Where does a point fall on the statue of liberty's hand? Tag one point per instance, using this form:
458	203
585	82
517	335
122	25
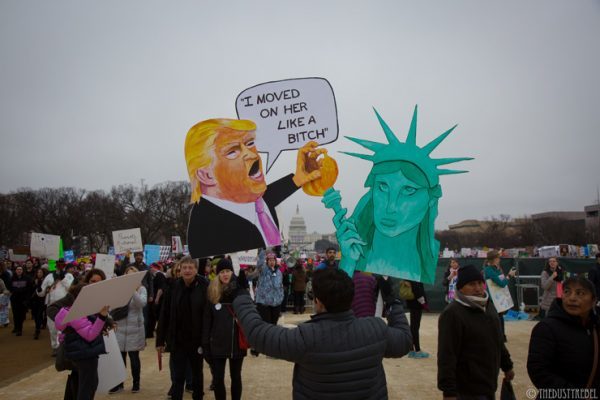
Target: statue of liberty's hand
350	244
349	240
333	199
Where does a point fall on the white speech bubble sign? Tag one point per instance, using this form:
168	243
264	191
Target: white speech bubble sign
289	113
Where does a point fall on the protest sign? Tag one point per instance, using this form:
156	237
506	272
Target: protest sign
549	251
112	292
69	256
45	246
128	240
176	245
500	295
106	263
447	253
377	240
289	113
248	257
111	368
151	253
294	114
18	257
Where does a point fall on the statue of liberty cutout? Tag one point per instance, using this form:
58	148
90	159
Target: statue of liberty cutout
391	231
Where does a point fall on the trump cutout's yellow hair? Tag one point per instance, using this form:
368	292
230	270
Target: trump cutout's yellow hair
199	142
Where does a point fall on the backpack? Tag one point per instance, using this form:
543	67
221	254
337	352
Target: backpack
406	292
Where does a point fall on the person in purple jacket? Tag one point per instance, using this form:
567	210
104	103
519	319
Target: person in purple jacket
83	343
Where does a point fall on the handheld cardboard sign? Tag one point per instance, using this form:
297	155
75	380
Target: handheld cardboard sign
114	292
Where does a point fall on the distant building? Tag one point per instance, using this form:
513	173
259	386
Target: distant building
313	237
471	226
331	237
592	222
562	215
468	226
297	232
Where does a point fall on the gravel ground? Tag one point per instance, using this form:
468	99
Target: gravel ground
263	378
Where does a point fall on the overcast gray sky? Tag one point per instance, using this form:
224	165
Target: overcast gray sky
96	94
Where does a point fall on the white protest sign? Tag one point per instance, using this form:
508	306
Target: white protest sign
243	257
106	263
176	245
114	292
289	113
128	240
45	246
500	296
447	253
111	368
16	257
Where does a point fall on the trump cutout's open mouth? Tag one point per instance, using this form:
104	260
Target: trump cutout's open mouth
255	172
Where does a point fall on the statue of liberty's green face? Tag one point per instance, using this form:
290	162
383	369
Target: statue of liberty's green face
399	204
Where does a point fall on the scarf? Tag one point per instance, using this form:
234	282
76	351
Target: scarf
472	301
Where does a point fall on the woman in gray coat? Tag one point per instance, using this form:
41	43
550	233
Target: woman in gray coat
551	276
131	335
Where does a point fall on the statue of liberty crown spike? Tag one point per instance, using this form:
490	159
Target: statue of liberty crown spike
408	151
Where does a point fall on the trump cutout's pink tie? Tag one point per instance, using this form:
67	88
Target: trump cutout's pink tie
269	229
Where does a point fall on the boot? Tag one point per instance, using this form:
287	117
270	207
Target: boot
37	335
116	389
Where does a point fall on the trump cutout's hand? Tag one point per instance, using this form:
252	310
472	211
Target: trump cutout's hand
307	154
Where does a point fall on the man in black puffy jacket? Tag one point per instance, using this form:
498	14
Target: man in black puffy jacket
471	348
336	355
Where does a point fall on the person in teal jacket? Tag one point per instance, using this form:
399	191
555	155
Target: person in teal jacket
493	271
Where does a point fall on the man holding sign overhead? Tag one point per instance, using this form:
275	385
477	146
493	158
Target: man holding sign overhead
229	188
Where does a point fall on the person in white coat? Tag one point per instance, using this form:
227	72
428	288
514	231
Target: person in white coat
130	333
54	287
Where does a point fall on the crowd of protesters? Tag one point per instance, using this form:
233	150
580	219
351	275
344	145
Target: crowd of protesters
200	312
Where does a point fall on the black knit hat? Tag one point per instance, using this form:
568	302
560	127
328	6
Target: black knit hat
224	263
467	274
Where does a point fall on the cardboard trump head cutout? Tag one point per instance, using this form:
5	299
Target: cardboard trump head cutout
223	162
391	231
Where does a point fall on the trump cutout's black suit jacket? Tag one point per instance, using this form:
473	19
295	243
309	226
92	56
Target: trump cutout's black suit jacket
213	230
